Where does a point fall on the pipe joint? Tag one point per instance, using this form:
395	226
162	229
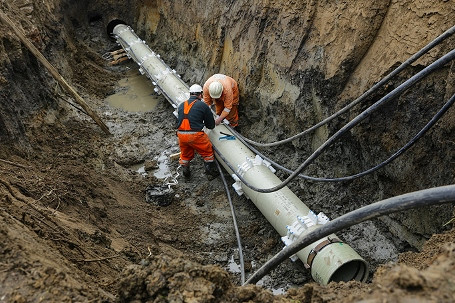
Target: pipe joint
145	58
318	248
244	167
161	75
301	226
157	91
250	163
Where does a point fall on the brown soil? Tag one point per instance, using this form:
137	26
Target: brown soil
75	225
76	228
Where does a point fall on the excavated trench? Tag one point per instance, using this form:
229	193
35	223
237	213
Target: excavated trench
278	100
381	240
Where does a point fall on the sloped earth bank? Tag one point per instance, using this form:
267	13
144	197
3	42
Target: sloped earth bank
75	224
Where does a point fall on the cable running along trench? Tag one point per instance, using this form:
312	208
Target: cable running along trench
419	135
239	242
397	91
405	64
176	91
427	197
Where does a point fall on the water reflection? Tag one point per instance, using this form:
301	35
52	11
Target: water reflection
134	94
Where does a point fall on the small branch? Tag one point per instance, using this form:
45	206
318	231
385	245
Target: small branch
55	210
97	259
45	195
15	164
53	71
450	221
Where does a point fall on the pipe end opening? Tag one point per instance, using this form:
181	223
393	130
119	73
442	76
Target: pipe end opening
112	25
354	270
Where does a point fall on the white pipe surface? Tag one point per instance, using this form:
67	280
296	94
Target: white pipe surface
332	260
166	80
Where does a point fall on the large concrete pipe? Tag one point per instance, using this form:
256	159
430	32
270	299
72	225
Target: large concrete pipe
328	259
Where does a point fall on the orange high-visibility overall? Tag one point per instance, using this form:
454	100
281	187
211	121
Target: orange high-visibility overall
229	99
189	140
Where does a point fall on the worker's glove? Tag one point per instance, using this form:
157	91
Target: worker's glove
224	121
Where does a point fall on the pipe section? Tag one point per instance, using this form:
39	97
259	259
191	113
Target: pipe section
165	80
328	259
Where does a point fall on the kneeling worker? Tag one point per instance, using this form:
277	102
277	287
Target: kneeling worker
224	92
193	115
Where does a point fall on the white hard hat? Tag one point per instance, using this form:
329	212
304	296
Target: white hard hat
215	89
195	88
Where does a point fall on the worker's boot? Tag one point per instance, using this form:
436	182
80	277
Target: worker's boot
211	170
186	171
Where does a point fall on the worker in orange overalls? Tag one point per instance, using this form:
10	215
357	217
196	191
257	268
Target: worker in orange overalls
193	115
224	92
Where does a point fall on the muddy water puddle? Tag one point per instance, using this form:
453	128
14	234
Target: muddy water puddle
161	172
134	93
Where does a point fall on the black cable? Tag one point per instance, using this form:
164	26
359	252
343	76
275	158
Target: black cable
397	91
427	197
416	56
76	107
420	134
239	242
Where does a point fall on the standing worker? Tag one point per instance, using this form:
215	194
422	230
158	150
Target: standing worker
193	115
224	91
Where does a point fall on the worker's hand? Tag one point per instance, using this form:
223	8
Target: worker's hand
218	120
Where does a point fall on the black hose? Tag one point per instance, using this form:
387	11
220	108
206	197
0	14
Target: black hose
427	197
420	134
239	242
397	91
412	59
76	107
